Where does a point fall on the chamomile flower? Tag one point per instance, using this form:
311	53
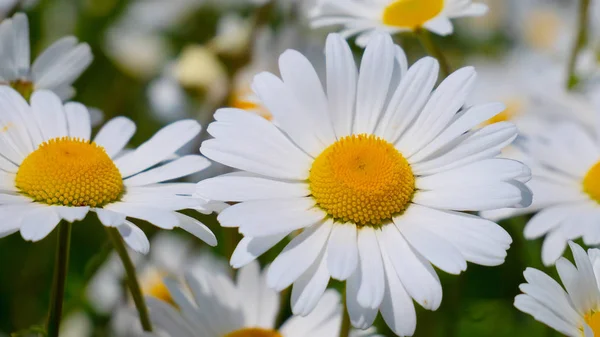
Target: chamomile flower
51	170
219	307
55	69
574	312
565	166
370	175
171	257
364	17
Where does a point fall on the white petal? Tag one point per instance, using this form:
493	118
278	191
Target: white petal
48	111
251	143
196	228
38	223
158	148
397	307
480	241
298	256
302	80
78	121
472	198
66	69
440	25
310	286
433	247
417	275
408	99
115	134
134	237
50	54
544	315
160	218
72	214
372	285
110	218
341	84
177	168
244	188
250	248
288	112
439	111
342	251
360	317
476	145
373	82
269	217
553	247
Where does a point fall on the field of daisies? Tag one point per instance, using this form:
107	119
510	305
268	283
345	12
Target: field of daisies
299	168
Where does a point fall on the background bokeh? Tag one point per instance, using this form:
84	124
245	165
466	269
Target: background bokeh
158	61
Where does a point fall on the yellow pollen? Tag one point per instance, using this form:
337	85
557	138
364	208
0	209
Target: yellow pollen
254	332
362	179
591	183
593	320
411	13
71	172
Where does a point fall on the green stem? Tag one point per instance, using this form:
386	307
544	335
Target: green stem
60	278
578	44
345	326
432	49
132	282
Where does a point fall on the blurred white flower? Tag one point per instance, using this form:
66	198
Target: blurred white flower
364	17
374	173
212	305
573	312
55	69
76	324
564	162
171	256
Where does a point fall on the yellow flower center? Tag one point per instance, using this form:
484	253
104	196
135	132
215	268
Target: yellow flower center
411	13
71	172
593	320
362	179
591	182
253	332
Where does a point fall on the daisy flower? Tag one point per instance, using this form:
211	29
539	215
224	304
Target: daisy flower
364	17
171	256
51	170
219	307
370	175
566	185
574	312
55	69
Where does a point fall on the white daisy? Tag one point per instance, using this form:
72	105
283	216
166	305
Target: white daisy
364	17
51	171
566	184
55	69
574	312
171	256
218	307
372	173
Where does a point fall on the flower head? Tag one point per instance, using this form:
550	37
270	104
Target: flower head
574	312
55	69
368	176
219	307
364	17
52	170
